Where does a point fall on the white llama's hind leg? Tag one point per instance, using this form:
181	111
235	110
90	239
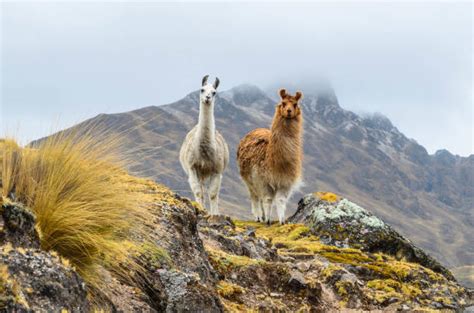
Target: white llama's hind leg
267	201
214	187
281	198
196	187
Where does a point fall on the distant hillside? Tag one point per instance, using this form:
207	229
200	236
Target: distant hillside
426	197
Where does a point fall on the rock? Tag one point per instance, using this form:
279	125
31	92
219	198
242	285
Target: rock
303	266
17	226
185	281
297	280
31	279
182	296
250	232
342	223
436	305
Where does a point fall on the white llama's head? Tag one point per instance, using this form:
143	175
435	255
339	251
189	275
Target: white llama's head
208	91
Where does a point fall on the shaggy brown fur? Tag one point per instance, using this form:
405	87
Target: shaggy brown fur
270	160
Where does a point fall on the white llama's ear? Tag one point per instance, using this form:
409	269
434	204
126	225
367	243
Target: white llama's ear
204	80
216	83
299	95
282	93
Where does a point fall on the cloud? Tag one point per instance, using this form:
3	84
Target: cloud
410	61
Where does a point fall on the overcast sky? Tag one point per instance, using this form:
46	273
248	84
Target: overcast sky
64	62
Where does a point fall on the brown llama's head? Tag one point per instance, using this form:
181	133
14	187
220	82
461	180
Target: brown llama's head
289	105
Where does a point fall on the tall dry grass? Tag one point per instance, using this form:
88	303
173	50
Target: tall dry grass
82	197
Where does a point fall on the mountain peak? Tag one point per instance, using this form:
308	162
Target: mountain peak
378	121
244	94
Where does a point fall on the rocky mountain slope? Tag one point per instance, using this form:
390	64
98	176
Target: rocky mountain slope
215	264
429	198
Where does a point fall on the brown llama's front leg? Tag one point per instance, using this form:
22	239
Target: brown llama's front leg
281	198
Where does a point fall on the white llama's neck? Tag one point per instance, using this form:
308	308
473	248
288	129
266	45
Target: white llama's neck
206	124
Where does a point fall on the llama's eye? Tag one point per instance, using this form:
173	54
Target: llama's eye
283	104
213	93
202	90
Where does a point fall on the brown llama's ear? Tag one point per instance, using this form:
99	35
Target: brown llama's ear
282	93
204	80
299	95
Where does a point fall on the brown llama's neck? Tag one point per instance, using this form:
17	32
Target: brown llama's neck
284	152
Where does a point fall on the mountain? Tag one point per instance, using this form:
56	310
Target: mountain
428	198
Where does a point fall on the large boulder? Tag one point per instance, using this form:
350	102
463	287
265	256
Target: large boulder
342	223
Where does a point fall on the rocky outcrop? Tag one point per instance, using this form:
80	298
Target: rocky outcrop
193	262
179	276
288	268
343	223
32	279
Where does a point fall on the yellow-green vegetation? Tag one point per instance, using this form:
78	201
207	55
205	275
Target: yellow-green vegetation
327	196
396	278
156	256
233	307
85	203
229	290
224	262
330	270
293	239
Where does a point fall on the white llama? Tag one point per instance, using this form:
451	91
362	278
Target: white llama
204	154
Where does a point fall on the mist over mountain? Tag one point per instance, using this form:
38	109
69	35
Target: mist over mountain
364	158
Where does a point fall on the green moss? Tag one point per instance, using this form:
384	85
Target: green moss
343	288
225	262
346	256
329	271
229	290
155	254
387	285
298	233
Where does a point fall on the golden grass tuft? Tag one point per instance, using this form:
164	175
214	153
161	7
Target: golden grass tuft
83	199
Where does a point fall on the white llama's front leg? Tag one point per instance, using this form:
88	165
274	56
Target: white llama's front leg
214	188
196	187
281	198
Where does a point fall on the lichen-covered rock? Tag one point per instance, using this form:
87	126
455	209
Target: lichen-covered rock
17	226
32	279
347	278
178	277
342	223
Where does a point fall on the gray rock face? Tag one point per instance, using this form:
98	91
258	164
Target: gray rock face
31	279
186	283
343	223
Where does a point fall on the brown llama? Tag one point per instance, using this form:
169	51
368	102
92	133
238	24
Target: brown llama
270	160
